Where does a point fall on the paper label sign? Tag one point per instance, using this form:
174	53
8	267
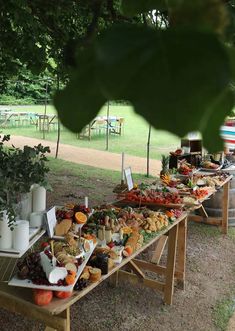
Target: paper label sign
51	221
129	179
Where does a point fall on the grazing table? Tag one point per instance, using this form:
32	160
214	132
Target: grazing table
56	315
219	221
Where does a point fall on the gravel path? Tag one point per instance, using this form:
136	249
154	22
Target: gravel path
91	157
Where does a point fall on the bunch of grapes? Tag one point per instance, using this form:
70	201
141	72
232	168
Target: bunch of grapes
80	284
177	212
82	208
30	268
62	214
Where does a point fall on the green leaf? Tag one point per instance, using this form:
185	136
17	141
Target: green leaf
177	79
174	78
134	7
231	56
81	100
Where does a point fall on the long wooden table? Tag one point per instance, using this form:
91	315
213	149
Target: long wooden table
56	315
219	221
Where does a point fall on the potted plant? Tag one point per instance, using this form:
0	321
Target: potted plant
19	170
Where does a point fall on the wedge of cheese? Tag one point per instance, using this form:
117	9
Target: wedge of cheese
53	273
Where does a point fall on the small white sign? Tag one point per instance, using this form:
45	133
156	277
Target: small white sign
129	179
51	221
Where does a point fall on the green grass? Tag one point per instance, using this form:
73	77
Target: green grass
222	312
62	167
133	141
206	231
231	233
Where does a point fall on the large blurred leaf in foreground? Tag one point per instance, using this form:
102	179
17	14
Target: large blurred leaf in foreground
178	79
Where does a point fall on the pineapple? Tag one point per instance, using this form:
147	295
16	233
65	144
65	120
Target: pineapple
165	164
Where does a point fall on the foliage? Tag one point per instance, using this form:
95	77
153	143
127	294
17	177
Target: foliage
26	88
172	61
19	169
199	98
178	76
44	36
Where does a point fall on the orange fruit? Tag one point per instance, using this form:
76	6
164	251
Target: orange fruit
80	217
70	279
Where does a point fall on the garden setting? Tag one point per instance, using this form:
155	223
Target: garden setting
132	141
117	165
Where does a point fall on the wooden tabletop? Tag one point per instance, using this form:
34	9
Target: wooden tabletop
23	296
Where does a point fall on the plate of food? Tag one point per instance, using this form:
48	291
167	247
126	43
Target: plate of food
56	267
209	166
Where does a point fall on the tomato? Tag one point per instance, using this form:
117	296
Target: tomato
42	297
62	294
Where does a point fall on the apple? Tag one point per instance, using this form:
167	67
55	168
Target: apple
62	294
42	297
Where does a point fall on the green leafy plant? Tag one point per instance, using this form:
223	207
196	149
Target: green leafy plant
19	169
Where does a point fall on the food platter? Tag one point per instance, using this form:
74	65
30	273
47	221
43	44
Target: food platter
16	281
151	205
210	170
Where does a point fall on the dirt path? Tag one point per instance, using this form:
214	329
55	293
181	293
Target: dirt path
91	157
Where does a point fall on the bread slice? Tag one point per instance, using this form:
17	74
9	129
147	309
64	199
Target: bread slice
63	227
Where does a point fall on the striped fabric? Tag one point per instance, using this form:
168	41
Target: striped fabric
227	132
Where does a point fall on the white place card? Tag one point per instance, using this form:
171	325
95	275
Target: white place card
129	179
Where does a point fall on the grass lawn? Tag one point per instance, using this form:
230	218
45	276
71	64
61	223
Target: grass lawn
132	142
59	166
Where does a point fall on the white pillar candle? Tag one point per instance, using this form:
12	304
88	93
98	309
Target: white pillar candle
21	235
39	198
6	236
26	206
122	170
36	219
86	202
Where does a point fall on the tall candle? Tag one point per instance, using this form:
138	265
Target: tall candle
39	198
123	157
21	235
6	236
86	202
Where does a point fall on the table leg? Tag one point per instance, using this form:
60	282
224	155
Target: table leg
159	248
225	202
113	279
170	269
65	315
181	253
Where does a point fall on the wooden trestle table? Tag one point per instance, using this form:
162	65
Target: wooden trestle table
219	221
56	315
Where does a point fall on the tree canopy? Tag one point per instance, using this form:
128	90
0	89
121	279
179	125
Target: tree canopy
172	59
